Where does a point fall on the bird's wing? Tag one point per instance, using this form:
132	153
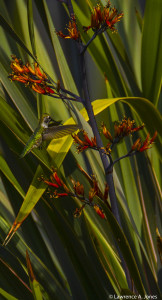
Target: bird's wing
56	132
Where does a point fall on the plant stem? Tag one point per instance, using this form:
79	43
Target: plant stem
89	42
109	175
129	154
104	159
106	164
97	32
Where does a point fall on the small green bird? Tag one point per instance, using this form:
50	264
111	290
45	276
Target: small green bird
47	129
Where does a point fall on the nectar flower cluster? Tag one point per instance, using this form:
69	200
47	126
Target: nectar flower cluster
83	141
32	77
104	18
140	146
74	34
125	127
121	130
57	188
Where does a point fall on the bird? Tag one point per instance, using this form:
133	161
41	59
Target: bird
47	129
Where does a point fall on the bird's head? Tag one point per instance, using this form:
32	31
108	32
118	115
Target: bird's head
47	121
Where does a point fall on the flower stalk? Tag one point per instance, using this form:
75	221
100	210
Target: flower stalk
57	189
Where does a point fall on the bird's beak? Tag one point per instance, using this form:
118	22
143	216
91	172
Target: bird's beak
52	122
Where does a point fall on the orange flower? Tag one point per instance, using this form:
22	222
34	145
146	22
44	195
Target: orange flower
147	143
139	147
104	18
33	78
99	211
85	142
92	193
38	72
57	178
51	183
78	211
125	127
37	88
106	132
79	188
61	190
74	34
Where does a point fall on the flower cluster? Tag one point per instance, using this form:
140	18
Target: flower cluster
124	128
140	146
73	32
83	141
32	77
104	18
57	188
121	129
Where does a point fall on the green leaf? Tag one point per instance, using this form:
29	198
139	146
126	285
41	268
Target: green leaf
125	248
111	263
7	27
87	273
7	172
33	282
151	60
7	295
36	290
31	25
13	275
63	65
139	20
34	193
43	273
